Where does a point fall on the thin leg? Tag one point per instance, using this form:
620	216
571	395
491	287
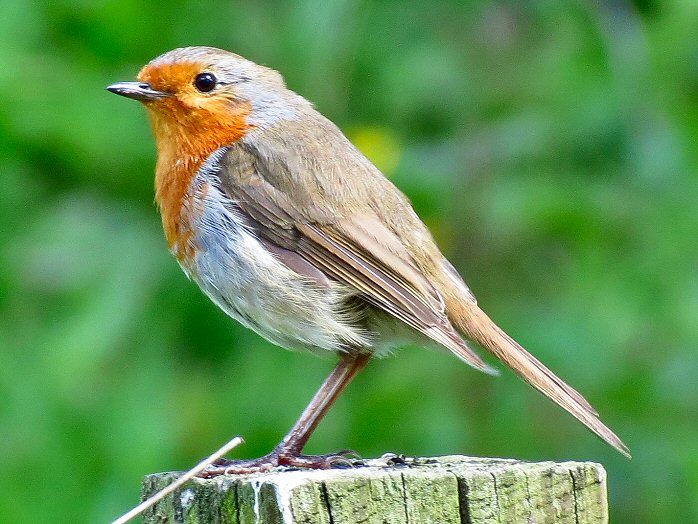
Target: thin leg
288	451
329	392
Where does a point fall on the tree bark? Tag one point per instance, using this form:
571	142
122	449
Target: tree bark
452	489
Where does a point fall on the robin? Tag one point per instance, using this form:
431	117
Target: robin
293	232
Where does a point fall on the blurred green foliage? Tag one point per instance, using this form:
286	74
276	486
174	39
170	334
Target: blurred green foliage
551	146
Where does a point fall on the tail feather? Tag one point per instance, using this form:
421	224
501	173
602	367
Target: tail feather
475	324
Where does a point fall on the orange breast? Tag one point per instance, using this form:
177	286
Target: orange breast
185	138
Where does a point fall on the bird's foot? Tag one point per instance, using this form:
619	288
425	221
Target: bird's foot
279	457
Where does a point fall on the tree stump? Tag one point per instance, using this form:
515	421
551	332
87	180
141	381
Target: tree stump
393	489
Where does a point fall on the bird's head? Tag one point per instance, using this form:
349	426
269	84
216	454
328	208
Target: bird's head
204	93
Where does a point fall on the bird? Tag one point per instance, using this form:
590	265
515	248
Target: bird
289	229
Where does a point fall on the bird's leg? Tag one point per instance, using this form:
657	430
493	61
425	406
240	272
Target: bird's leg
288	451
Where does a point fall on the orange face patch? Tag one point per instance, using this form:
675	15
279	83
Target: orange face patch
188	127
170	78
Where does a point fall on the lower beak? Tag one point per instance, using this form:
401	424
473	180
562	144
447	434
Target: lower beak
137	90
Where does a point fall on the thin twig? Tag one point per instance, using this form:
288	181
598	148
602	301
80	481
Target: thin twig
179	482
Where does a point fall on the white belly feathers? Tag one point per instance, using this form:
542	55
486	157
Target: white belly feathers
250	284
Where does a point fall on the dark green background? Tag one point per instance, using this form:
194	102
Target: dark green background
550	145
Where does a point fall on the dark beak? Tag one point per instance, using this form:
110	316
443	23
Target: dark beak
137	90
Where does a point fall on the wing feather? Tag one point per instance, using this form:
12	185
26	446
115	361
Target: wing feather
354	249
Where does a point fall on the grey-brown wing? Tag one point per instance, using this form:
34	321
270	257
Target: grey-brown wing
357	250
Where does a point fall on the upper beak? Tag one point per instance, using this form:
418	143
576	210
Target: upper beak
137	90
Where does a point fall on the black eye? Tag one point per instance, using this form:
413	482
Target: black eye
205	82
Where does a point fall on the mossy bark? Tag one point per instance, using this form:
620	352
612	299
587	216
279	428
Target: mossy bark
453	489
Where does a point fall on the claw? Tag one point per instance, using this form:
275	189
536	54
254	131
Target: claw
277	458
339	461
394	458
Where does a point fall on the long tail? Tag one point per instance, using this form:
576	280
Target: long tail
476	325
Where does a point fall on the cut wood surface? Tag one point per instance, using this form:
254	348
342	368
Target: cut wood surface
393	489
